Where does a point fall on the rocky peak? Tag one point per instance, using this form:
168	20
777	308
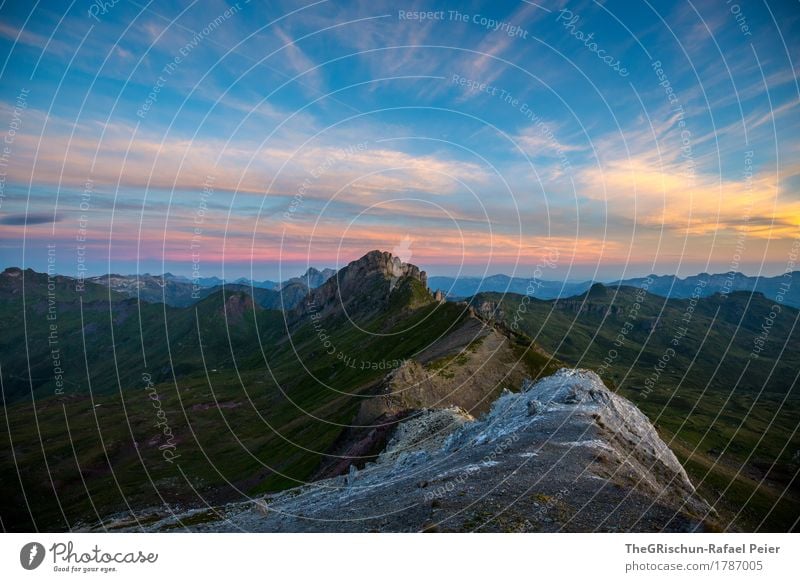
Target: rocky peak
365	284
312	278
12	272
385	264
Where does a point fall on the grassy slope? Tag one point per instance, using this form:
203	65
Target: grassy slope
727	417
249	420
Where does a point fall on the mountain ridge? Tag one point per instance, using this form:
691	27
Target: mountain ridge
563	454
312	393
227	374
181	291
787	286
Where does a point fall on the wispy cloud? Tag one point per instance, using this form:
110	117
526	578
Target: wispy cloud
298	61
22	36
29	219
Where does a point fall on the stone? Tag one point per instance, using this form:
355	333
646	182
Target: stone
600	464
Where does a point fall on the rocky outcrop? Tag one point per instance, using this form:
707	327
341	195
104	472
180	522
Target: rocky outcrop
426	432
490	310
379	263
312	278
236	306
366	285
566	454
469	374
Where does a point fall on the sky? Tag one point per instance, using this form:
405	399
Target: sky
210	138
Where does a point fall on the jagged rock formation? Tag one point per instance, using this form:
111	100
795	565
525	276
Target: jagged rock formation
566	454
365	286
426	432
489	310
312	278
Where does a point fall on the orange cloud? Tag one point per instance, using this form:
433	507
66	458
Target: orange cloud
677	199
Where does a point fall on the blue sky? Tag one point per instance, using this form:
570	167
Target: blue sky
255	139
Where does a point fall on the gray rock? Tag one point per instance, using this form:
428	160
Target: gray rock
534	407
587	460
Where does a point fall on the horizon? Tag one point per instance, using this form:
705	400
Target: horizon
297	273
240	141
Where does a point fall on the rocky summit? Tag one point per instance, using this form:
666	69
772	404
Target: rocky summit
365	286
563	454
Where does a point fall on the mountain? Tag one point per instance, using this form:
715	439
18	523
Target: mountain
266	284
785	288
222	398
313	278
149	412
368	287
179	291
201	281
153	288
62	340
286	298
564	454
211	281
721	389
468	286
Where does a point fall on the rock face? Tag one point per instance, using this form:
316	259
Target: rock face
380	263
236	306
490	310
566	454
312	278
366	285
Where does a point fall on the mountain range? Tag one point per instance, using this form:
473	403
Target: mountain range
181	291
369	391
786	286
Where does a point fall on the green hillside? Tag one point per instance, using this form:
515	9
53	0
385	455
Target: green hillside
216	400
722	394
163	406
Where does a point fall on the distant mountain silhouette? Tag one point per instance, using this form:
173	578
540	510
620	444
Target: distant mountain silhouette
787	287
180	291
